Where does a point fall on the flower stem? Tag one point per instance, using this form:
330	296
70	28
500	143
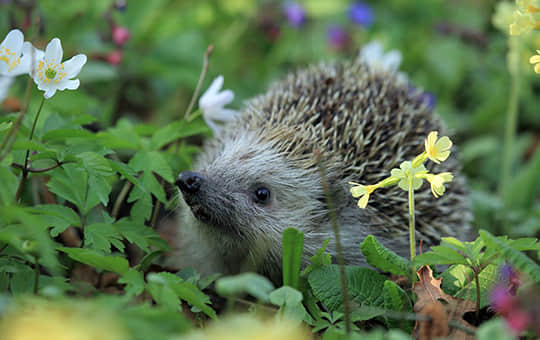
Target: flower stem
339	249
511	117
477	280
199	83
412	241
25	169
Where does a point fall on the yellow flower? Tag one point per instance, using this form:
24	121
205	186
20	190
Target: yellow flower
437	182
407	170
523	21
362	191
437	150
41	320
530	6
248	327
535	59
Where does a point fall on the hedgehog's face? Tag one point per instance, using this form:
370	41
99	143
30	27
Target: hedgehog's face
244	190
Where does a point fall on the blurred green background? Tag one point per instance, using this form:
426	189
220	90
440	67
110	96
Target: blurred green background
451	49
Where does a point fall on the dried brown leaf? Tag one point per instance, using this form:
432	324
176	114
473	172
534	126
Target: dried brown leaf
429	293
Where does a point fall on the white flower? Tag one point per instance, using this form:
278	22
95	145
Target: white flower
373	54
50	74
5	84
212	104
11	62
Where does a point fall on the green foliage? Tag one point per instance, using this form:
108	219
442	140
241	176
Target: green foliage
255	285
108	154
383	258
509	250
293	244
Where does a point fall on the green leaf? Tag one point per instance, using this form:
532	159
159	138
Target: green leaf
293	244
98	260
148	161
63	134
22	281
458	280
184	290
57	216
70	182
396	299
320	259
9	185
101	236
250	283
494	329
440	255
98	170
176	130
141	235
519	260
365	286
134	281
383	258
290	302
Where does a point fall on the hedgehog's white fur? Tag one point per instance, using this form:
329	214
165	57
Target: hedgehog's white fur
362	122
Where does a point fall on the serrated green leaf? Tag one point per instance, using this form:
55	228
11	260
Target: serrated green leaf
519	260
250	283
321	258
134	281
293	245
458	280
140	235
383	258
440	255
98	260
396	299
176	130
101	236
57	216
152	161
183	290
365	286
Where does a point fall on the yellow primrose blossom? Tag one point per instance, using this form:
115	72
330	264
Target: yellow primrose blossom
437	150
407	170
535	59
530	6
523	22
248	327
362	191
43	320
437	182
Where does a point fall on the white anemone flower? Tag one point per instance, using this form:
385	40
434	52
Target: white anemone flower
373	54
212	104
51	74
11	62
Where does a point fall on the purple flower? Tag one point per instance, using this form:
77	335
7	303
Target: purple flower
361	14
337	37
429	98
295	14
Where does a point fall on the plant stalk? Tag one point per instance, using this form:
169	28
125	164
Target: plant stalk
412	241
25	169
339	249
511	118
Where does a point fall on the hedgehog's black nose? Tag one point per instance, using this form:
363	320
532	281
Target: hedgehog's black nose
189	181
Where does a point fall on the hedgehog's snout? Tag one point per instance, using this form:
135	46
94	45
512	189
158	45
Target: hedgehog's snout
189	182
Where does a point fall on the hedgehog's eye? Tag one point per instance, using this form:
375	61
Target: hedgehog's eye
261	195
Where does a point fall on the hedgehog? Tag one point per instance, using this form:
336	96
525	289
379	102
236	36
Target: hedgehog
261	173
